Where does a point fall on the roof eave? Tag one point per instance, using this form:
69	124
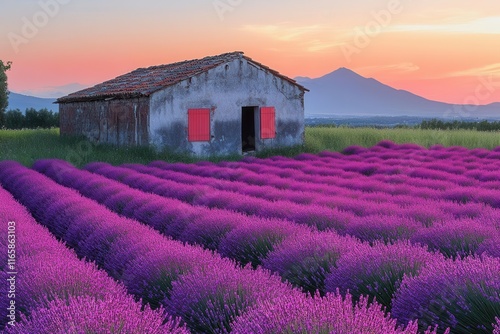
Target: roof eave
121	96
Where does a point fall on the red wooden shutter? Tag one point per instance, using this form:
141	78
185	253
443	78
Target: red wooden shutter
267	123
199	124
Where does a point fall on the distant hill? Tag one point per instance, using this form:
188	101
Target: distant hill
22	102
346	93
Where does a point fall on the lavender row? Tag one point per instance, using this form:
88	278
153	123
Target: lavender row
451	236
317	283
331	314
468	159
466	162
418	174
205	195
346	176
383	273
417	181
159	270
376	203
208	292
51	283
337	191
463	295
396	164
378	270
234	235
404	155
333	199
251	241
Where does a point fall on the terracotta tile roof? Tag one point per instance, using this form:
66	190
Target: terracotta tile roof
145	81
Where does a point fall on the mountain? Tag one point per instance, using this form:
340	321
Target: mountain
346	93
22	102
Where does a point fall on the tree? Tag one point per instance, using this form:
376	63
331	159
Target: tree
14	119
4	92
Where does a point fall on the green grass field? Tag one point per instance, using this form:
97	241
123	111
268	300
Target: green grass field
27	146
336	139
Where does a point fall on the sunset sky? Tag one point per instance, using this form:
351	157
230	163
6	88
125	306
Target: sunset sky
446	50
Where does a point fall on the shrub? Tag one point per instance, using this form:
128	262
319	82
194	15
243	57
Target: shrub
351	150
455	238
123	253
382	228
151	276
50	276
251	242
212	228
491	246
210	298
322	218
469	210
463	295
332	314
378	271
89	315
426	214
306	259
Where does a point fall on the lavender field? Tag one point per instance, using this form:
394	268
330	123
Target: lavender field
387	239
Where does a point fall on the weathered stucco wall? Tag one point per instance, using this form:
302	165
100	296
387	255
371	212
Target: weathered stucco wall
117	122
225	90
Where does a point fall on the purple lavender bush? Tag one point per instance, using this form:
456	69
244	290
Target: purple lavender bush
86	314
151	275
209	299
251	242
212	228
490	247
455	238
50	276
320	217
387	229
351	150
426	214
378	270
463	295
496	326
308	258
41	259
299	314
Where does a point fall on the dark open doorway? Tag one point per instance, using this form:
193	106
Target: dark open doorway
248	129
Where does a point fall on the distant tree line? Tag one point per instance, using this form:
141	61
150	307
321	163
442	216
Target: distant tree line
436	124
406	123
31	119
15	119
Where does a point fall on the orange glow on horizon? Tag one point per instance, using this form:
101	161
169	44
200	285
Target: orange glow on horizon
442	53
